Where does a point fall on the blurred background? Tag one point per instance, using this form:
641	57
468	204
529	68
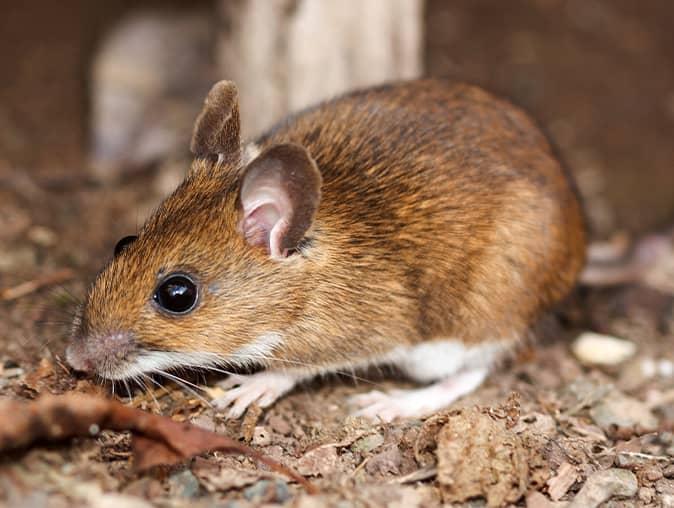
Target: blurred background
118	82
98	99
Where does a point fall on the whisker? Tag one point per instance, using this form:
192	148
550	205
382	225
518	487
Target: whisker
128	390
349	374
186	385
141	376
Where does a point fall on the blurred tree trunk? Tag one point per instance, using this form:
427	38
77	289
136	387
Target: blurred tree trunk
287	54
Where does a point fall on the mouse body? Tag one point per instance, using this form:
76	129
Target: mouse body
424	224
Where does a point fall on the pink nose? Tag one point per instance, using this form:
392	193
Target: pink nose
78	360
103	354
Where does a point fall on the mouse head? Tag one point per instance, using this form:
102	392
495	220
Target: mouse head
217	272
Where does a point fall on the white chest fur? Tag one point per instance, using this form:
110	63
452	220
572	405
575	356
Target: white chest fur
438	359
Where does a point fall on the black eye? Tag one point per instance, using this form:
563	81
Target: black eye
176	294
119	247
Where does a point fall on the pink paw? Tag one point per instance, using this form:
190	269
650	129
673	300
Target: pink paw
418	403
263	388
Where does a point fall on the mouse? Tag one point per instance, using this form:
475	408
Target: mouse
423	224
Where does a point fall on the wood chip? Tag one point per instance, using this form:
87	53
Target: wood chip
561	483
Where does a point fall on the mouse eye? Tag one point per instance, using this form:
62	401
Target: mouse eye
127	240
176	294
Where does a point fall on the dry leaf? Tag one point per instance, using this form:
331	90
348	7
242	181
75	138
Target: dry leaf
157	439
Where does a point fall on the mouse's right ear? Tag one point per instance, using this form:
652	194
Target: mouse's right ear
216	131
280	193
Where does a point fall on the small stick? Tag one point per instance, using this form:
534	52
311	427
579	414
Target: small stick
28	287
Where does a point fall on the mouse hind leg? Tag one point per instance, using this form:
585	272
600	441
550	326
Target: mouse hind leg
453	369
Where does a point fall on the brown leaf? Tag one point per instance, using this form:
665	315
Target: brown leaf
157	439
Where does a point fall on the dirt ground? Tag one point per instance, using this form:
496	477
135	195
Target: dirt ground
545	430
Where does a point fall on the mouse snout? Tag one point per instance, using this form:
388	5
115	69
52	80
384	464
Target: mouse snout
104	355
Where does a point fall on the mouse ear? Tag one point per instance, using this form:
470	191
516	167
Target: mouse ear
279	197
216	131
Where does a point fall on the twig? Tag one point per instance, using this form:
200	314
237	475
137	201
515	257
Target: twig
425	473
28	287
646	456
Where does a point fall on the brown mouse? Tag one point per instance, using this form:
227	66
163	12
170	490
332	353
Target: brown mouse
424	224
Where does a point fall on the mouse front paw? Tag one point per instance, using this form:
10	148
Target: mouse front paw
263	388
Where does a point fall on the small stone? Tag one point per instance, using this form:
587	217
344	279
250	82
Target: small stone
603	485
261	436
184	485
320	461
665	368
270	491
538	500
652	473
368	443
144	487
280	425
665	486
42	236
646	494
385	462
537	423
619	410
19	257
204	422
596	349
114	500
667	501
668	472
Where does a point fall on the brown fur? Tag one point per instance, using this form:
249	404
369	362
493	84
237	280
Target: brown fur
443	215
216	130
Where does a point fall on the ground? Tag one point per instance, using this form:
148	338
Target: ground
553	428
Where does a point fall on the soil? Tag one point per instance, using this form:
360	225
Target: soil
599	77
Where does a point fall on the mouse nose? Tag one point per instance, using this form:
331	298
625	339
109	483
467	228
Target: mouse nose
102	354
78	360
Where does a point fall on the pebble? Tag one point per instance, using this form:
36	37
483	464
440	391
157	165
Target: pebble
280	425
368	443
667	501
603	485
385	462
184	485
596	349
665	486
261	436
204	422
618	409
18	258
652	473
42	236
538	500
268	490
646	494
321	461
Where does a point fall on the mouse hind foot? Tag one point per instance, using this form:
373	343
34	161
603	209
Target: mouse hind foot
419	402
453	369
